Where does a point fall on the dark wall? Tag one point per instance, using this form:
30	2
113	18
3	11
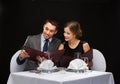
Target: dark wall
99	19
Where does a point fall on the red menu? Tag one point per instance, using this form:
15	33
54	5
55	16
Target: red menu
34	53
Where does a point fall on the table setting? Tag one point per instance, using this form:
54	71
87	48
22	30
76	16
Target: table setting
48	66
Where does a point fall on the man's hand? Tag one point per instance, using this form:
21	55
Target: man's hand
39	58
24	54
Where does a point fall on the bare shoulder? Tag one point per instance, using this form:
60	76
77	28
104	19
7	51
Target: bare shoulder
86	46
61	47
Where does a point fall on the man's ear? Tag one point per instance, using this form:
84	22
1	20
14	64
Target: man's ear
43	27
56	32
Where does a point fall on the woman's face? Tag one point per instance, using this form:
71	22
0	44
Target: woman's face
68	35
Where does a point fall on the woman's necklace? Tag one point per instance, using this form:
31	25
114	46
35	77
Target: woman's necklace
73	44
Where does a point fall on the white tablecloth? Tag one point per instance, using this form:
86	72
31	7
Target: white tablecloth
93	77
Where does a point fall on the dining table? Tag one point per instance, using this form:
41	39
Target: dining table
61	77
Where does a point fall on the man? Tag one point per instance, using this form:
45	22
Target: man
50	28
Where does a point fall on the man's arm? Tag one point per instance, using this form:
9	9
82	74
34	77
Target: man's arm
22	57
20	60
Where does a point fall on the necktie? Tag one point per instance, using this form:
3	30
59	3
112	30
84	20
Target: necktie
45	47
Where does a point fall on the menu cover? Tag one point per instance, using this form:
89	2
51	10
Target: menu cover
65	60
34	53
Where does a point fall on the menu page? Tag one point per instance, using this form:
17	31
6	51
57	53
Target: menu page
34	53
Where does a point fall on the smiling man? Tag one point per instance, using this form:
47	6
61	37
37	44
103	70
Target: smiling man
50	28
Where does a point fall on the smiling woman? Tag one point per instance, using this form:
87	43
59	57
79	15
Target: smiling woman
20	18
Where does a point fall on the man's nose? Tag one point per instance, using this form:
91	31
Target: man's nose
48	32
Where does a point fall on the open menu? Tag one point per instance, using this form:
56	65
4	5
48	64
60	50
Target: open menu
34	53
88	54
65	60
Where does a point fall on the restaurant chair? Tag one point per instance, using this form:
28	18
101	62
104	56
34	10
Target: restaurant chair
99	62
14	67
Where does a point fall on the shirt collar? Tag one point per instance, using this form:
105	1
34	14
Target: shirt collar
43	39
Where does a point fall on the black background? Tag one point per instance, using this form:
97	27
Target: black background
100	20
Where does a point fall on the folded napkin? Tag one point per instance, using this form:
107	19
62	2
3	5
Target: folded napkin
46	65
77	64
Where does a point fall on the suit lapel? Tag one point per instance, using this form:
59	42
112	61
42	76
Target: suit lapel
38	42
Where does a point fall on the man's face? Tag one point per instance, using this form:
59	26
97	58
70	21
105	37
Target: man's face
49	30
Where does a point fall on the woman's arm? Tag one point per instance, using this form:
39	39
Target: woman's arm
86	48
61	47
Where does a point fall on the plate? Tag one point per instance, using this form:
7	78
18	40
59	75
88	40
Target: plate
48	70
35	71
76	70
62	68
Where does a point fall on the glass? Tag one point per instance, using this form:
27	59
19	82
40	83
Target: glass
49	68
77	55
42	60
85	59
48	55
62	70
39	60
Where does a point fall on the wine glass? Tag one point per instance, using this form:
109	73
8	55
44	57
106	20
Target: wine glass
77	55
85	59
48	54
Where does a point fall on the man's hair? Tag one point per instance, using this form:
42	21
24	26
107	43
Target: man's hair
53	22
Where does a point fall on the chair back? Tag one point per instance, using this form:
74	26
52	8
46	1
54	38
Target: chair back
99	62
14	67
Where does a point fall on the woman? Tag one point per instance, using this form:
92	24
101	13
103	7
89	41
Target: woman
72	44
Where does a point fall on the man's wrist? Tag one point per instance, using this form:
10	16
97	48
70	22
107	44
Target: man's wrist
21	58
